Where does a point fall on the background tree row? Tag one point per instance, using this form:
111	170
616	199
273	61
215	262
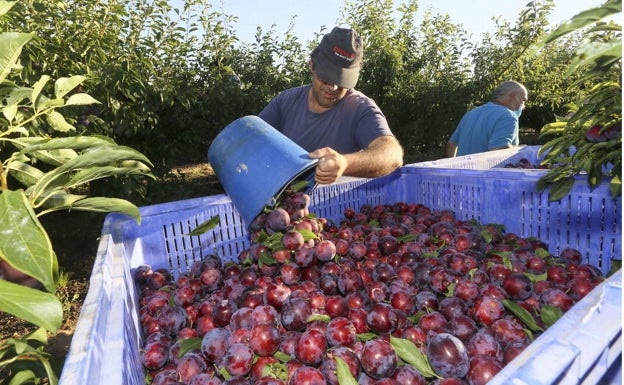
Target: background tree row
170	79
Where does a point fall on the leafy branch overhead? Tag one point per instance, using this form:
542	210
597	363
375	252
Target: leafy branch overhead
588	141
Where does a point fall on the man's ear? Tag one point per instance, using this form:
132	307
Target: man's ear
311	65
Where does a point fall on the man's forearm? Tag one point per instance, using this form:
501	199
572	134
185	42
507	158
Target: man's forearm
382	157
451	150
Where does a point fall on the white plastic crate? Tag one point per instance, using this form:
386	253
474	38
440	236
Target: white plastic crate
105	347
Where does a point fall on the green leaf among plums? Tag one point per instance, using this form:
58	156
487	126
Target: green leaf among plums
550	314
522	314
189	344
206	226
299	185
307	234
409	352
344	373
274	242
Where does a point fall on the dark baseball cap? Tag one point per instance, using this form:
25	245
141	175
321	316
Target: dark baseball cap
338	57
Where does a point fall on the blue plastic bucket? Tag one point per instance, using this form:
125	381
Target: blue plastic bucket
255	163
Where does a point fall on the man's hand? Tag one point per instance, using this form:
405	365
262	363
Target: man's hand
330	167
382	156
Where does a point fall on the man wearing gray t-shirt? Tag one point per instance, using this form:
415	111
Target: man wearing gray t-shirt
337	124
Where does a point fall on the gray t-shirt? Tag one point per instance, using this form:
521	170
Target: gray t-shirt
348	127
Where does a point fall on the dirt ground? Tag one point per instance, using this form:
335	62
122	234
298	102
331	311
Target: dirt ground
75	236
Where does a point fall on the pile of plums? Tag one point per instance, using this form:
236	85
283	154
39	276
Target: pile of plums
392	294
525	164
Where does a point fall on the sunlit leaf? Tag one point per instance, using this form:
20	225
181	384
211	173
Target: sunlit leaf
24	243
409	352
35	306
615	186
584	19
63	86
58	122
25	376
54	157
11	44
94	173
344	373
10	111
16	94
108	205
40	335
91	158
604	54
24	173
74	142
81	99
61	200
37	88
205	226
44	103
5	6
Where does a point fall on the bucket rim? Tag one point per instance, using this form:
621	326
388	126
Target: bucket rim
281	190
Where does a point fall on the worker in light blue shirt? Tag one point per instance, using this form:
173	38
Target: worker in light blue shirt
492	126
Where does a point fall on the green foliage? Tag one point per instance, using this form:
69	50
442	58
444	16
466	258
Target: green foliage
426	76
28	349
168	79
409	352
178	76
416	74
589	140
45	166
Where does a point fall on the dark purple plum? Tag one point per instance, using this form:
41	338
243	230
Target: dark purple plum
215	344
378	358
482	369
518	286
448	355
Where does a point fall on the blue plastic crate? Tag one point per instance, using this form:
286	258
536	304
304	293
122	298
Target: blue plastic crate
583	347
497	159
487	160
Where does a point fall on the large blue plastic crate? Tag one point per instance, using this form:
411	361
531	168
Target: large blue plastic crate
105	347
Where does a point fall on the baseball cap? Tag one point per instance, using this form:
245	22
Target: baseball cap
338	57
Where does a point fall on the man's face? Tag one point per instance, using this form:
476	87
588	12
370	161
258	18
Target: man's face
325	94
521	99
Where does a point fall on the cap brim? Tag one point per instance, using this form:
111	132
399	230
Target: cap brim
343	77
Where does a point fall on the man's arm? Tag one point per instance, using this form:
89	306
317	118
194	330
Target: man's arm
451	149
381	157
